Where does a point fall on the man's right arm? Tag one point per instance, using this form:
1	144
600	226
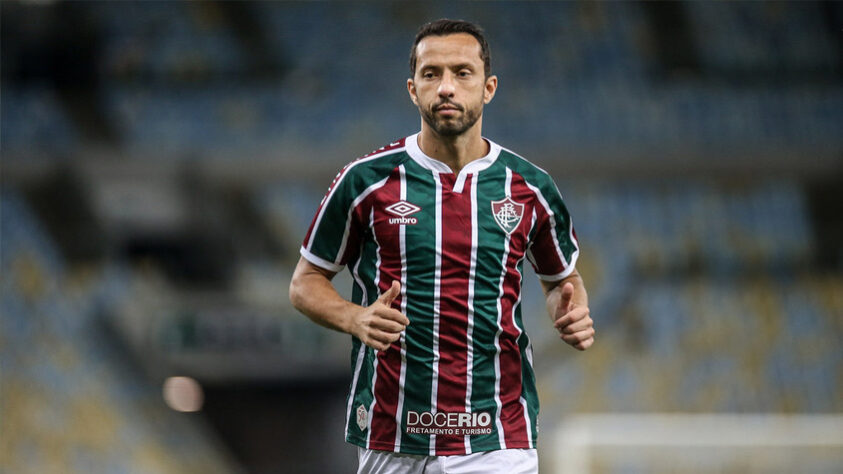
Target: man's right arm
377	325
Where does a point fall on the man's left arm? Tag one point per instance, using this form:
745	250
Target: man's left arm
567	305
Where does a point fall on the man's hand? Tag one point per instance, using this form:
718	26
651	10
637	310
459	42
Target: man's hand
378	326
573	322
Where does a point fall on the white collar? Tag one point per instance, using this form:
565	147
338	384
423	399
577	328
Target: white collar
412	146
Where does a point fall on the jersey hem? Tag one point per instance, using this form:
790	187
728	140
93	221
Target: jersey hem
458	450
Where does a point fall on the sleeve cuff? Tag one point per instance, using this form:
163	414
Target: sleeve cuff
320	262
564	274
558	276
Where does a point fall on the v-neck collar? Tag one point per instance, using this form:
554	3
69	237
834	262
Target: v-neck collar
473	167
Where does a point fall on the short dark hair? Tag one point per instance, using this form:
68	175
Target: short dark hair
444	27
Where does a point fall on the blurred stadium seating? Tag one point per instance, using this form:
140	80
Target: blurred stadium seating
71	401
176	79
708	288
713	267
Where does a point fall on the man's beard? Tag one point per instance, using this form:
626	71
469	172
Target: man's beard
450	127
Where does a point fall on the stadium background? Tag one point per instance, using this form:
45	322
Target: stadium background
161	161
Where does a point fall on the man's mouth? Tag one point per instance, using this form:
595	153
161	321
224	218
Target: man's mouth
448	106
447	109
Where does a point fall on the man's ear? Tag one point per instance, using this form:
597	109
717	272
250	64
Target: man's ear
490	88
411	89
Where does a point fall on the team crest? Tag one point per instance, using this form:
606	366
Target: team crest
507	214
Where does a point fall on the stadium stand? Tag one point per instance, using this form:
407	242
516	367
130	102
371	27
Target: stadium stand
71	402
710	291
700	263
176	79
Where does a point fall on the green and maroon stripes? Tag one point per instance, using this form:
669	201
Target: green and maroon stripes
491	241
512	412
402	243
328	237
554	248
364	272
496	380
420	240
472	276
336	237
382	429
465	350
453	301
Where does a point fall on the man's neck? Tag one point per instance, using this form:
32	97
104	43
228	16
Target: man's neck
454	151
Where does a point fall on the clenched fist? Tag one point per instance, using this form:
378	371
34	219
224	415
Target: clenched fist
379	325
573	321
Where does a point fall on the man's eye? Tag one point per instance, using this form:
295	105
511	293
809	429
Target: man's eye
464	73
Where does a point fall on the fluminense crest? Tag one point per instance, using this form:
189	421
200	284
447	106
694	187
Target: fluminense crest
507	214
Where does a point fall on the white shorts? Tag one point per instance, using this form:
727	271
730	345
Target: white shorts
504	461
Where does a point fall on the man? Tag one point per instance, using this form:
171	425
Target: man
435	228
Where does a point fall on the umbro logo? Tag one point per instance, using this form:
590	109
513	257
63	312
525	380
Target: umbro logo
403	210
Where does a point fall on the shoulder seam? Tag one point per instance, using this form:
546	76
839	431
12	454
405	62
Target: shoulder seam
373	156
344	172
525	160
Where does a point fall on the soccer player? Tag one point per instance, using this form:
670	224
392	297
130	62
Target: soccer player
435	228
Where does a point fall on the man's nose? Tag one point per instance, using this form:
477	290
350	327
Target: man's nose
446	86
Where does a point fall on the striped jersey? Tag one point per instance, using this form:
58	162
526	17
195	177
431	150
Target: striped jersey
460	378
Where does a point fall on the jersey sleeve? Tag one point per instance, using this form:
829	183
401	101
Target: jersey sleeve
334	234
553	248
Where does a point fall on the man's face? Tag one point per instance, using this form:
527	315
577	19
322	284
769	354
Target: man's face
449	86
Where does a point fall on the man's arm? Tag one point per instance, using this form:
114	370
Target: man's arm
377	326
567	305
